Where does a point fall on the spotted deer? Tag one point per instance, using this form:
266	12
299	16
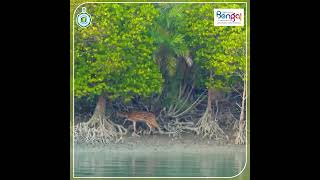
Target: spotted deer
147	117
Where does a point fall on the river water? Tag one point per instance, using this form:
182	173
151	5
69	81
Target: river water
213	163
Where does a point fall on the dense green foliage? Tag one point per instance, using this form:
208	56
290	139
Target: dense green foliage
172	51
220	51
114	54
143	49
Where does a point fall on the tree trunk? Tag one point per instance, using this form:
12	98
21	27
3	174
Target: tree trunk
210	108
99	129
241	136
207	125
99	112
241	120
100	109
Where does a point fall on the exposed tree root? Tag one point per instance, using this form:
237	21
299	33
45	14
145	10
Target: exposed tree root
179	109
179	117
210	128
177	128
241	133
98	130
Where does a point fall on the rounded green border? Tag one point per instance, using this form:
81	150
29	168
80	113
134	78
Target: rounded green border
245	173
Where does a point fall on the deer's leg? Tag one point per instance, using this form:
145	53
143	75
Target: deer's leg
160	131
149	128
134	129
134	126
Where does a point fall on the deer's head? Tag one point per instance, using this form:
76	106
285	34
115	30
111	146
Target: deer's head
122	114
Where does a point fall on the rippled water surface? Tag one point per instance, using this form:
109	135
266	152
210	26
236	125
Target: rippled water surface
101	163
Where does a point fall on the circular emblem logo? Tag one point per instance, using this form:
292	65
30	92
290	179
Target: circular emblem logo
83	19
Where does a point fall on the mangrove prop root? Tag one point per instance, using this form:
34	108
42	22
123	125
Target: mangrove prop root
241	134
98	130
179	118
176	128
207	127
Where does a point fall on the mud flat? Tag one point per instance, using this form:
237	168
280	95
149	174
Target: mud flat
163	143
